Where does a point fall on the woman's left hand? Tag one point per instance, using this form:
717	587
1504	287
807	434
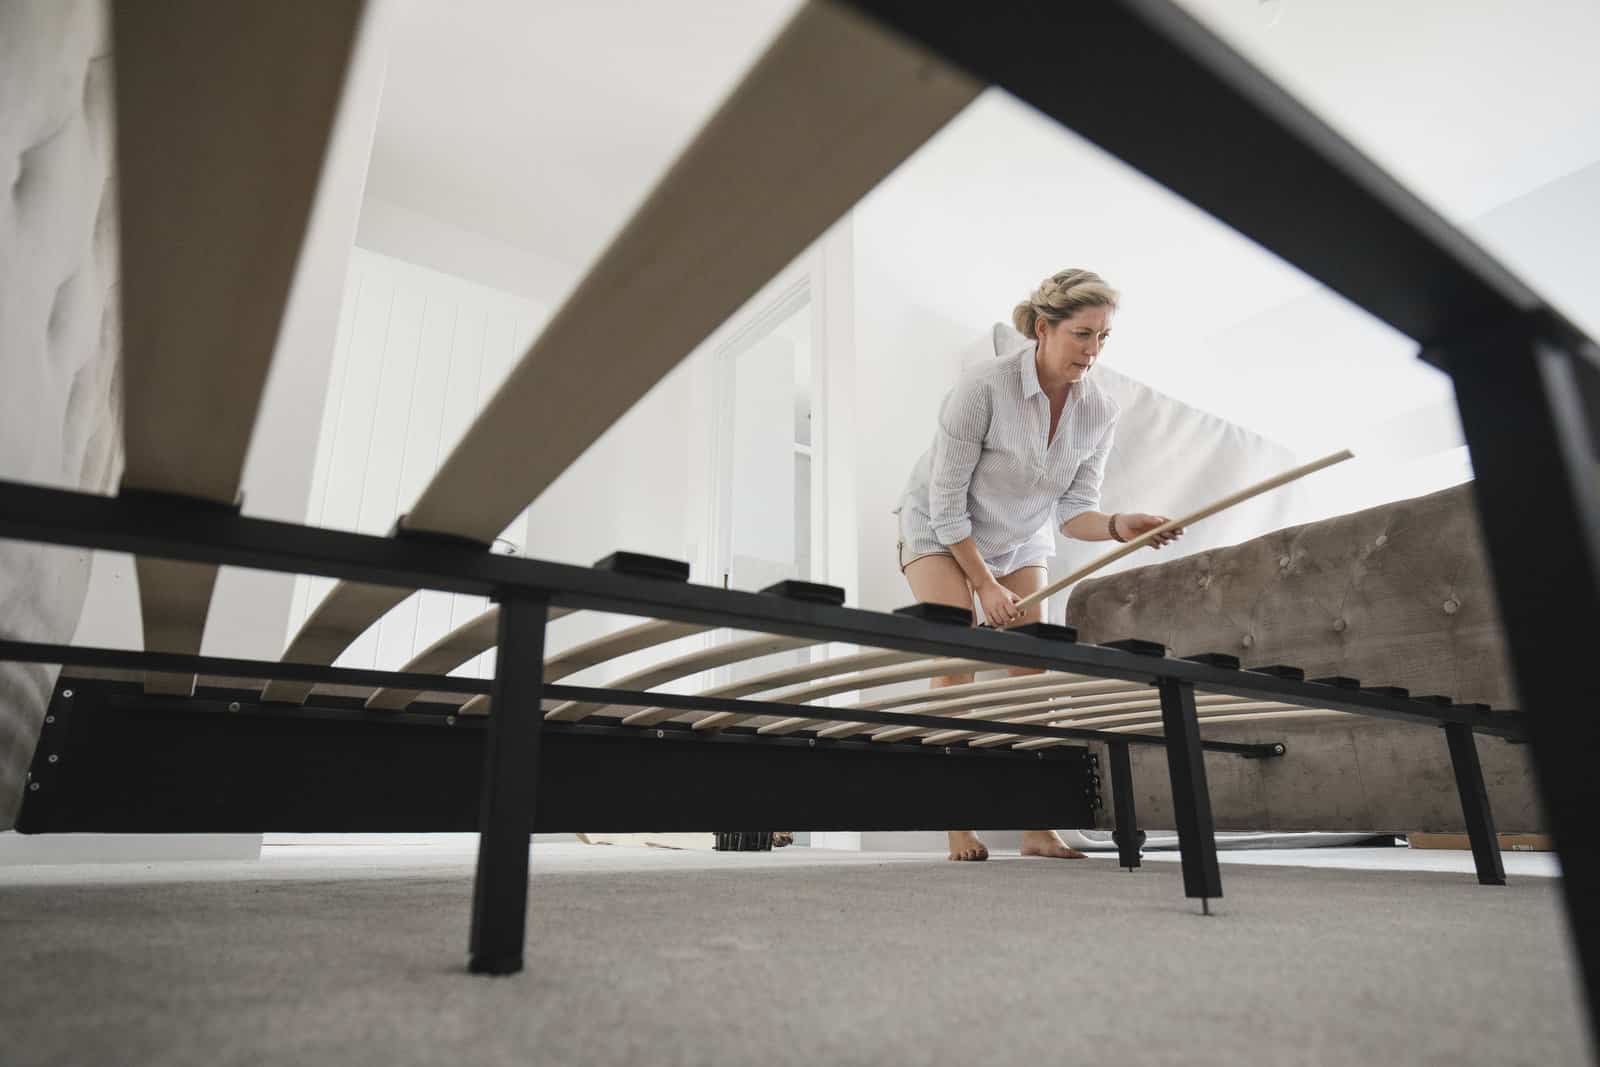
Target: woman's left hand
1131	524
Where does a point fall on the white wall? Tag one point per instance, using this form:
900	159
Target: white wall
418	354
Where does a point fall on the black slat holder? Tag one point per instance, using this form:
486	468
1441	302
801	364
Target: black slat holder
510	786
1191	800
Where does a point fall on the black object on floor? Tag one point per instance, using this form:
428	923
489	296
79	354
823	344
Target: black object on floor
744	841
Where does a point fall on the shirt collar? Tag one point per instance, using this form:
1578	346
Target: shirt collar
1030	371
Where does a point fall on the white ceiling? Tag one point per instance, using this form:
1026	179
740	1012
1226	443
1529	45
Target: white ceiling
541	123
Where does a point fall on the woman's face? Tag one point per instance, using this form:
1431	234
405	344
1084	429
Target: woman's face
1070	347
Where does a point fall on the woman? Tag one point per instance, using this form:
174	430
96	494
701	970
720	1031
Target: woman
1020	448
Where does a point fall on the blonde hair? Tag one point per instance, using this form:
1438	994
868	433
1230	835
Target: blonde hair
1061	296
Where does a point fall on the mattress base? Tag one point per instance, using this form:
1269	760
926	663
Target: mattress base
115	760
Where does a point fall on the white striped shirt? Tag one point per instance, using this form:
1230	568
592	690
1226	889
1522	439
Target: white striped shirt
990	475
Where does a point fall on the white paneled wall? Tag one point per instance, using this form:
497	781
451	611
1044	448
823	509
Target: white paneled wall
418	355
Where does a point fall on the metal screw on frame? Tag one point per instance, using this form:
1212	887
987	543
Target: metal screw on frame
53	758
233	706
66	694
449	720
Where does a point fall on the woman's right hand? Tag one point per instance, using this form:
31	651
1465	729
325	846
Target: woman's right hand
999	604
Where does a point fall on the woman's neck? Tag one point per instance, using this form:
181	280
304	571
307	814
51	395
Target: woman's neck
1056	386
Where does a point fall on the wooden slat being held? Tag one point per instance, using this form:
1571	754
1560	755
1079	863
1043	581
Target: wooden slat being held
1190	519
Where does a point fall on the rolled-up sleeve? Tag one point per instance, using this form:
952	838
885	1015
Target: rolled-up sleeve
1084	492
963	423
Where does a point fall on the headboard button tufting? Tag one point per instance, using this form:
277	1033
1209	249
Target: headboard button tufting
1451	605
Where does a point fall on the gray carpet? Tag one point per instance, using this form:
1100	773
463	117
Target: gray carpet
734	959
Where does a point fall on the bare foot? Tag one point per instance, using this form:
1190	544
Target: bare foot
964	845
1046	843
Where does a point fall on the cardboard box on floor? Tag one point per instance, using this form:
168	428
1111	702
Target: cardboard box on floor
1508	842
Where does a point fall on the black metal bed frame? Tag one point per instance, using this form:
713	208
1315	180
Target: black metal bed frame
114	758
1160	92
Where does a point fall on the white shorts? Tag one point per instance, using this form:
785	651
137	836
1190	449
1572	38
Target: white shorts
917	540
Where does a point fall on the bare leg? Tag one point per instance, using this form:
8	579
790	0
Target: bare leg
1024	582
938	580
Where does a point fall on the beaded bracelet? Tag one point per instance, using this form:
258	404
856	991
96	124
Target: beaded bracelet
1111	523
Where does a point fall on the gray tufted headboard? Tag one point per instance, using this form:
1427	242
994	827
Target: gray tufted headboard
1398	594
59	320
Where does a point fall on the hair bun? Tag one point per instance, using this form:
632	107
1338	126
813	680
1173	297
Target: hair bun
1061	296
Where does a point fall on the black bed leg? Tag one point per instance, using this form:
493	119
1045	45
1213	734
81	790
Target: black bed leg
1531	412
1127	832
1475	804
510	780
1191	802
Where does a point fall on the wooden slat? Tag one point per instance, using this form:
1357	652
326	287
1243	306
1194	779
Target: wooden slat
1152	721
861	661
982	707
909	672
684	666
1286	714
471	638
1093	717
223	117
592	653
1014	712
833	106
326	632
